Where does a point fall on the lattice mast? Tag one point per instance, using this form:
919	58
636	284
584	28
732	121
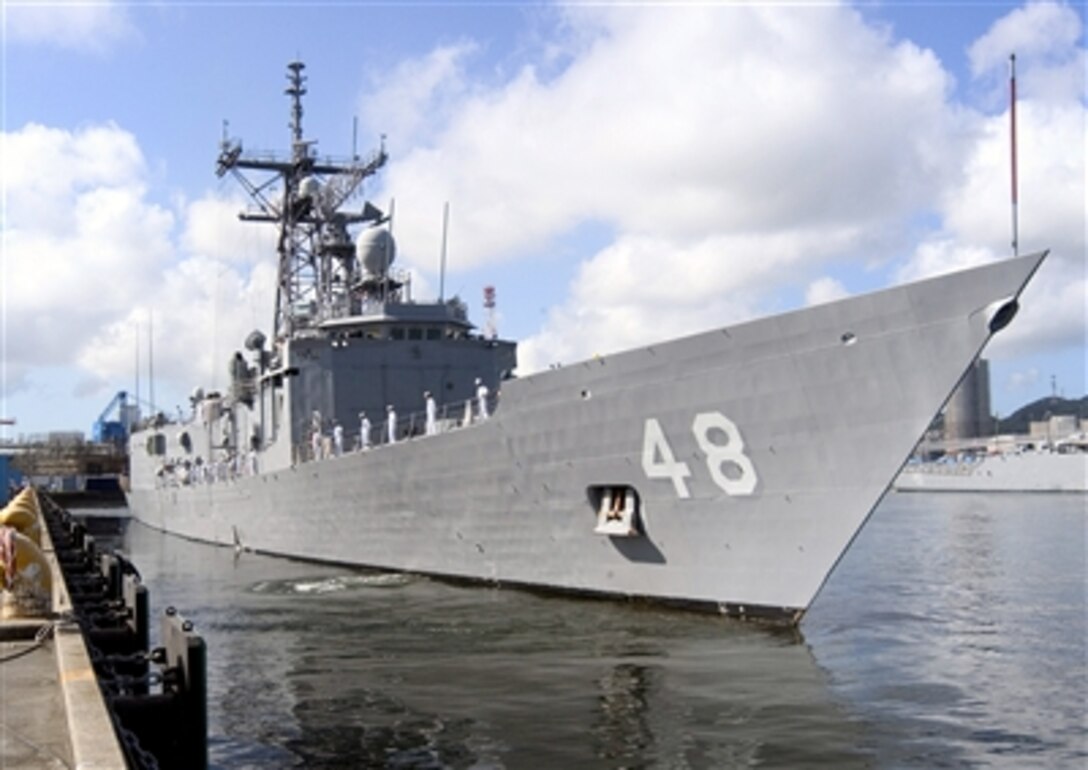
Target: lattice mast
303	195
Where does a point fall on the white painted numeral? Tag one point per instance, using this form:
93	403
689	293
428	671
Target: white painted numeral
719	456
729	467
654	444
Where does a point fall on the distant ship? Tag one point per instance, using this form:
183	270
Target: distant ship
728	470
1063	468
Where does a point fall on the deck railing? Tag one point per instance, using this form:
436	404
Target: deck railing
411	427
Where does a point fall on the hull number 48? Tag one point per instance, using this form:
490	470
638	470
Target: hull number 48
729	467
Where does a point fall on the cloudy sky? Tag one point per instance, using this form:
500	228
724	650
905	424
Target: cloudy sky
621	173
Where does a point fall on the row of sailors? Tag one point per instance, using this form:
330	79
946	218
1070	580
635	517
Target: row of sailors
322	446
186	472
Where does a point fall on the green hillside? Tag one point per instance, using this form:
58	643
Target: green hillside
1043	409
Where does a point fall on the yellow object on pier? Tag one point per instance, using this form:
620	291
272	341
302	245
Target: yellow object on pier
26	578
23	514
29	496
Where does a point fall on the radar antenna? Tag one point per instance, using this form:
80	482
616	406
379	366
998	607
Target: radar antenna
491	331
296	90
303	196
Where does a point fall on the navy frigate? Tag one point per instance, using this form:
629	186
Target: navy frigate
727	470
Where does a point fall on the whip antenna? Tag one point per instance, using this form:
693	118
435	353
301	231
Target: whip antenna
442	261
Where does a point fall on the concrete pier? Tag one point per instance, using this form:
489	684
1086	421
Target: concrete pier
33	729
52	713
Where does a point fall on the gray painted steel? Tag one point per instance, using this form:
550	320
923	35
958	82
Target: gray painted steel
828	401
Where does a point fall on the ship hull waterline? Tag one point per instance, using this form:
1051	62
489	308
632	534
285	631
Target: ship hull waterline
755	452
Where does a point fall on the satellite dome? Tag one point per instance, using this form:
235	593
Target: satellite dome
309	187
376	250
255	340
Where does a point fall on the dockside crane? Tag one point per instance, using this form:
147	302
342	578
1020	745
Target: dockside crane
115	431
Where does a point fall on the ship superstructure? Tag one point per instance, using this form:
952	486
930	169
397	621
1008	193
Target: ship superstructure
349	341
729	469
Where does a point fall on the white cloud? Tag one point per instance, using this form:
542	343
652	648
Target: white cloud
824	289
93	27
213	230
1050	66
44	167
644	289
729	148
87	257
877	179
732	152
80	239
1039	30
977	221
1023	380
776	130
199	315
1053	315
410	104
942	255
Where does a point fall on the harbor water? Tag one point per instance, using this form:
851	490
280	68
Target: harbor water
952	634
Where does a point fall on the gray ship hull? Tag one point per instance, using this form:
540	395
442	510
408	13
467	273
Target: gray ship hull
753	455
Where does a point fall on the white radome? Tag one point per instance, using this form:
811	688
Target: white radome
376	250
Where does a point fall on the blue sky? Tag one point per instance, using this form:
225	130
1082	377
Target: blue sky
621	173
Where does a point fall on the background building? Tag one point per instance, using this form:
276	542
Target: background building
968	412
10	476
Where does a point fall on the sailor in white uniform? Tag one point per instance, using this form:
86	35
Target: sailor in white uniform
391	423
364	431
315	434
338	438
432	411
481	398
